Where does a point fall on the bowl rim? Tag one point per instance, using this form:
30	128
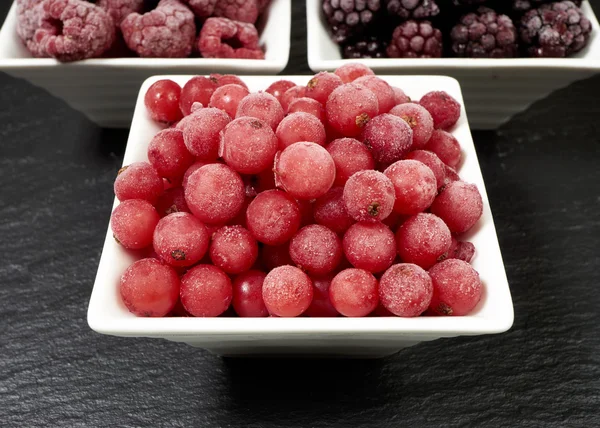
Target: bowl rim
431	327
277	63
431	65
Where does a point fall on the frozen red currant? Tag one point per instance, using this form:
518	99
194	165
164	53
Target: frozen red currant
306	212
445	146
321	305
423	239
133	222
415	186
310	106
273	256
172	201
138	181
382	90
248	145
305	170
459	205
388	137
201	132
433	162
330	211
316	249
227	79
168	155
370	246
461	250
405	290
180	239
352	71
263	106
233	249
206	291
298	127
162	101
290	95
197	89
215	193
247	294
193	168
444	109
149	288
400	96
287	291
350	107
322	85
418	119
353	293
369	196
278	88
457	288
350	156
228	97
273	217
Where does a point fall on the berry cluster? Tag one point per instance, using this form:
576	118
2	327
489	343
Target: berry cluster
71	30
338	197
457	28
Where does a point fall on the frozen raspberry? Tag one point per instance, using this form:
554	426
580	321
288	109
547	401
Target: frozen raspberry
119	9
348	19
72	30
224	38
412	9
413	39
456	288
444	109
238	10
166	32
484	34
201	8
555	30
29	15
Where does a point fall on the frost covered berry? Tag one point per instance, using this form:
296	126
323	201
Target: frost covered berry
165	32
224	38
119	9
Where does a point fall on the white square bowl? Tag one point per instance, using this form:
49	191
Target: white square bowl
105	90
360	337
494	89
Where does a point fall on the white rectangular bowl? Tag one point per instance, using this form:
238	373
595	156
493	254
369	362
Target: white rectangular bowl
105	90
494	89
359	337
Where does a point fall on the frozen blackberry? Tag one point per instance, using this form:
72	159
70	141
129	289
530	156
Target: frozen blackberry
526	5
467	3
413	39
370	47
554	30
484	34
348	19
412	9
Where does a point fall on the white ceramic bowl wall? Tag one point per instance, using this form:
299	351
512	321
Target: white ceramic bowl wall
494	89
105	90
362	337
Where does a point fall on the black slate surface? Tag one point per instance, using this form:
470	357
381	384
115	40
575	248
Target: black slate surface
542	172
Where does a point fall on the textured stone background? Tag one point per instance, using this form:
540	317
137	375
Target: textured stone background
542	172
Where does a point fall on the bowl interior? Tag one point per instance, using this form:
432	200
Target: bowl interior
273	25
107	314
324	53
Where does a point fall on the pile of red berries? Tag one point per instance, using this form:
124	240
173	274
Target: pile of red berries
338	197
71	30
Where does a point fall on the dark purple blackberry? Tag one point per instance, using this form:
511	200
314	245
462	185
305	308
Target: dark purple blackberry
349	19
466	3
484	34
554	30
369	47
526	5
413	39
412	9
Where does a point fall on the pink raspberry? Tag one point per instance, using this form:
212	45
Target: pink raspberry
119	9
166	32
220	36
201	8
29	15
72	30
239	10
